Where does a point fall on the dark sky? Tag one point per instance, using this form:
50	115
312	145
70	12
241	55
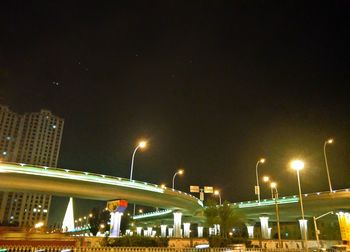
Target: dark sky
212	85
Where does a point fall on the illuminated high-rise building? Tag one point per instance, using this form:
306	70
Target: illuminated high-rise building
32	138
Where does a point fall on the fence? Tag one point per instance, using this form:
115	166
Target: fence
143	249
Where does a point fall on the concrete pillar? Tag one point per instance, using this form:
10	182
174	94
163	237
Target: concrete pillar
269	232
250	229
216	229
149	231
187	226
154	232
139	231
170	232
177	224
264	222
127	232
115	224
200	231
211	231
163	230
303	229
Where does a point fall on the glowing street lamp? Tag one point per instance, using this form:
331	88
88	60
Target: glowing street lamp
298	165
142	144
329	141
267	179
217	192
257	187
178	172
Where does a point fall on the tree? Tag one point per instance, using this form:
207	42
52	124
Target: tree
228	218
98	217
211	213
125	222
225	215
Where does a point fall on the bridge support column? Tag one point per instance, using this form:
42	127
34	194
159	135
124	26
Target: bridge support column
139	231
115	224
200	231
149	231
163	230
177	224
116	209
269	232
264	222
187	226
250	229
170	232
216	229
303	229
211	231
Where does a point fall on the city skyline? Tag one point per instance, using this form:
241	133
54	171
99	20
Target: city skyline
212	92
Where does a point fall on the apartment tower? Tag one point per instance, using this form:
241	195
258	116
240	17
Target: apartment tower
32	138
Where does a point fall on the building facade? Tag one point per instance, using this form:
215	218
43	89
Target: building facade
32	138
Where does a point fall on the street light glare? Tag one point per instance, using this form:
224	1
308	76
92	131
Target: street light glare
330	141
273	185
297	165
216	192
266	178
262	160
181	171
142	144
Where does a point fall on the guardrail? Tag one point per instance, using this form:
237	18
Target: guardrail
87	176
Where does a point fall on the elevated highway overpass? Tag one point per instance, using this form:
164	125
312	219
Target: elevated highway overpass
86	185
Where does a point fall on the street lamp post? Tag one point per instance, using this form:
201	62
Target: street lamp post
217	192
329	141
141	145
178	172
257	187
297	165
273	186
316	229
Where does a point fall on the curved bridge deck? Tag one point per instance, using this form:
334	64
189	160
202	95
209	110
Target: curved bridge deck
63	182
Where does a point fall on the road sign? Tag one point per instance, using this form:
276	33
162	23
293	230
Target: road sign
257	190
208	189
201	195
194	189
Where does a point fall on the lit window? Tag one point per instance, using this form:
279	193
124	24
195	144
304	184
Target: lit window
34	210
4	153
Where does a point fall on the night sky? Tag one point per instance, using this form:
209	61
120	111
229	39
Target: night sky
213	86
